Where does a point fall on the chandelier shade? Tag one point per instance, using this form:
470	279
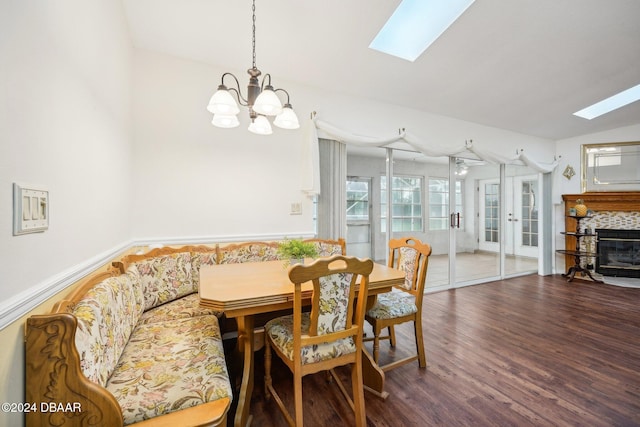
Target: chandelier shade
261	126
268	103
262	100
287	119
222	102
225	120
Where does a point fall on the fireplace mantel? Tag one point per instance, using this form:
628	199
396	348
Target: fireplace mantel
622	201
603	204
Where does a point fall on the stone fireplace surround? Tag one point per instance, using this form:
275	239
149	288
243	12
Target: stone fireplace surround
611	210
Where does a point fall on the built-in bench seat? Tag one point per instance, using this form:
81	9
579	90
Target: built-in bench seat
132	345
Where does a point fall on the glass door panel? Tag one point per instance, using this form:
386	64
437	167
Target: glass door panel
522	246
477	239
359	217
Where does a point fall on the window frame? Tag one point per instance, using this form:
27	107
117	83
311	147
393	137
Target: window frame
412	218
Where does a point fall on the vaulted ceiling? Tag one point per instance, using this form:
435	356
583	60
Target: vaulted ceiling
521	65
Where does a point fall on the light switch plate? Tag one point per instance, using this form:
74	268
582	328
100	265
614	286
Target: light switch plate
30	209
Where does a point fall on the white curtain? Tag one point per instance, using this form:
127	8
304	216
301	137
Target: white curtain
332	209
311	172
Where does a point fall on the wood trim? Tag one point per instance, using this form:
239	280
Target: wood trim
624	201
615	201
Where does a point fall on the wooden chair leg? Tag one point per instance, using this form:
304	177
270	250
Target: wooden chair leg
422	358
392	336
376	343
358	394
267	369
297	391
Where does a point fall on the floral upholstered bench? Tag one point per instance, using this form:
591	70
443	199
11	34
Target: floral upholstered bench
131	346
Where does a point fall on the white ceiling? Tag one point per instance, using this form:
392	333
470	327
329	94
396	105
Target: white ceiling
522	65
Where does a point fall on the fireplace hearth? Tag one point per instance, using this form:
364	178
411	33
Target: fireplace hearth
618	253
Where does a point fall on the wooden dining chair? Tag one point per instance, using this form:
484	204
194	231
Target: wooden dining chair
327	337
404	302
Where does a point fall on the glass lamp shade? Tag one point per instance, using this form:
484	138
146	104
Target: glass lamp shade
222	102
287	119
267	103
261	126
225	120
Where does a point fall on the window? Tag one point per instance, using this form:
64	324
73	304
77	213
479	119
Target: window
357	200
439	203
491	213
529	214
406	199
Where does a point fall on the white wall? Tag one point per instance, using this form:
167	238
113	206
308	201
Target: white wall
194	180
197	181
65	71
65	75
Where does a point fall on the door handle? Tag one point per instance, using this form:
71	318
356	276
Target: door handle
454	220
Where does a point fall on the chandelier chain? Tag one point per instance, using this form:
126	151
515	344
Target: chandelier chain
253	41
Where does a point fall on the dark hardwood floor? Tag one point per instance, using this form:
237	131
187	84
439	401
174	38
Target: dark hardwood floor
528	351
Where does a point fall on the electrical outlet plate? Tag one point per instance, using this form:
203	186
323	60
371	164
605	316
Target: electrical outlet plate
30	209
296	208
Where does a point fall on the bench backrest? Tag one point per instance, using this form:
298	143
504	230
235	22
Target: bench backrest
165	274
107	307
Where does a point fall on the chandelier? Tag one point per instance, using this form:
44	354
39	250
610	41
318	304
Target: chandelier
261	100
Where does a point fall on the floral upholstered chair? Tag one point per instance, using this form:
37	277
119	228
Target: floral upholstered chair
328	336
403	303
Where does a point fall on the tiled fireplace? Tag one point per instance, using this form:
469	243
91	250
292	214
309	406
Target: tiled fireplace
619	253
616	221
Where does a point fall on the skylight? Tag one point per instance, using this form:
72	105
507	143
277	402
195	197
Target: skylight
416	24
612	103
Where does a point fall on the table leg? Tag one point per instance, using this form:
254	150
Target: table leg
373	376
245	344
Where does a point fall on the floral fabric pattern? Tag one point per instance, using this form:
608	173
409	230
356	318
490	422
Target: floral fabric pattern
168	366
198	259
326	249
281	332
254	252
332	317
393	304
107	315
180	308
165	278
334	298
407	262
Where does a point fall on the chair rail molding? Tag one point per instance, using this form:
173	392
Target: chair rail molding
21	304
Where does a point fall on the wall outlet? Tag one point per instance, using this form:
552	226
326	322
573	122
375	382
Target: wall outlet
296	209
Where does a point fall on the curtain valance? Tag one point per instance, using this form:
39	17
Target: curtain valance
311	168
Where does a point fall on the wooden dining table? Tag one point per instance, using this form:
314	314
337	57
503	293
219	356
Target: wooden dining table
245	290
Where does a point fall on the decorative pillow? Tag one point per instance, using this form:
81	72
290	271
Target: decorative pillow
106	315
165	278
